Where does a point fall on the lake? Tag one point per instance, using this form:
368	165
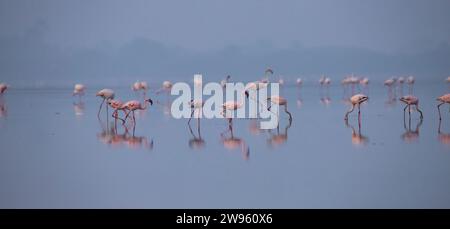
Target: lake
56	153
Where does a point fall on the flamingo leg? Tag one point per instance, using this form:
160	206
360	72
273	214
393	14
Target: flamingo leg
439	110
134	118
421	114
98	114
409	111
349	111
192	113
289	113
404	112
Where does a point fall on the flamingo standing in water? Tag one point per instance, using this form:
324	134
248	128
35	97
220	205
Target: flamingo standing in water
140	86
356	100
106	94
411	100
79	90
3	88
195	105
117	105
281	102
443	99
133	105
299	82
166	86
232	106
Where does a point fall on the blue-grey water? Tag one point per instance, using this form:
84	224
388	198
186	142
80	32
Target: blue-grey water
55	153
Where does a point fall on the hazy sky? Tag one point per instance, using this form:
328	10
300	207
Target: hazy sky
381	25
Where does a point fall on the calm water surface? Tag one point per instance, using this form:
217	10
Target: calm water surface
55	153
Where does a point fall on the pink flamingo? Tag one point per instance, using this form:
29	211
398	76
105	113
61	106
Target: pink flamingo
356	100
166	86
232	106
278	100
443	99
411	100
3	88
79	90
106	94
117	105
133	105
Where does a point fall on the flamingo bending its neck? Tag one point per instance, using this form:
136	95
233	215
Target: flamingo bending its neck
106	94
356	100
443	99
411	100
133	105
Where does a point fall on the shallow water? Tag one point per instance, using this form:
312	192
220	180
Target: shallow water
55	153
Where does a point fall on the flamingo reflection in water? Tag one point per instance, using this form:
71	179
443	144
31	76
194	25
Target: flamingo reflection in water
78	108
279	138
109	136
196	142
411	135
358	139
231	142
444	138
3	108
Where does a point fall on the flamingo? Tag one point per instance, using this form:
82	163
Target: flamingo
117	105
224	82
299	81
140	86
3	87
448	79
166	86
411	100
195	105
364	81
356	100
443	99
281	102
232	106
133	105
79	90
106	94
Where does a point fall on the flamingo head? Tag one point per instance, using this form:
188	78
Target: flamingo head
246	94
149	101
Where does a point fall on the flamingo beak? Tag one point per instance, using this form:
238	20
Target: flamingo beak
150	101
246	94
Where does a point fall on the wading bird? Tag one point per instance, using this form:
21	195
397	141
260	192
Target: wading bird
278	100
356	100
140	86
106	94
196	105
411	100
166	86
117	105
3	88
133	105
79	90
232	106
299	82
443	99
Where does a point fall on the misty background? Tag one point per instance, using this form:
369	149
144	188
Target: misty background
113	42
